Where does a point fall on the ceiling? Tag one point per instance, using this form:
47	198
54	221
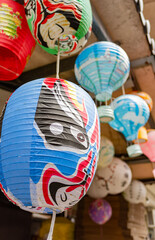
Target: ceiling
122	22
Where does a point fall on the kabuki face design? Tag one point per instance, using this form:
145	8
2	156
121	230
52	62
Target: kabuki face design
63	128
53	19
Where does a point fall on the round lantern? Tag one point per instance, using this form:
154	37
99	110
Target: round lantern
63	26
106	152
16	41
49	145
142	133
131	112
102	68
136	192
145	96
113	179
100	211
97	188
148	147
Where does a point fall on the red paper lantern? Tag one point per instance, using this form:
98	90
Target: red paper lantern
16	41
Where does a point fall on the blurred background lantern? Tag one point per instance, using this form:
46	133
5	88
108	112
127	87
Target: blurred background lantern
113	179
145	96
148	148
59	130
65	23
102	68
142	133
100	211
106	152
142	136
131	112
136	192
16	41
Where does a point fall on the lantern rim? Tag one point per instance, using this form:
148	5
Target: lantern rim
106	113
134	150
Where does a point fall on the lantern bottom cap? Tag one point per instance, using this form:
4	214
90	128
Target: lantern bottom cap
105	113
140	140
134	150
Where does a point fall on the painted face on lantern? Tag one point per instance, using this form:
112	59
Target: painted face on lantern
58	121
57	191
53	19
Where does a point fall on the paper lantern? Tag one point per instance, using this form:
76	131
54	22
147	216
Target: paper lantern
100	211
50	142
64	23
16	41
106	152
102	68
113	179
97	188
148	147
145	96
131	112
142	135
136	192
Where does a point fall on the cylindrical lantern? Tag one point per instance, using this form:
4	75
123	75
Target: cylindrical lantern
148	148
113	179
49	145
131	112
102	68
16	41
142	136
59	24
100	211
106	152
136	192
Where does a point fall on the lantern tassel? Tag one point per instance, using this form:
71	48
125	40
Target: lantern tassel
58	60
52	226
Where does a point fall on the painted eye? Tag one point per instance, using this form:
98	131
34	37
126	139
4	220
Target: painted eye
63	197
79	136
56	128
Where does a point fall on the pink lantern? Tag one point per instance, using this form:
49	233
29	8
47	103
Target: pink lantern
148	148
100	211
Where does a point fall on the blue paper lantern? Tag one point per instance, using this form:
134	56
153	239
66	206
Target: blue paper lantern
131	112
49	145
102	68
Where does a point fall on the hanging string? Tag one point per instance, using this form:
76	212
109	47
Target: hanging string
58	60
50	235
123	90
101	232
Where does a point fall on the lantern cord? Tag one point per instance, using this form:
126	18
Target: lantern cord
52	226
101	232
58	60
123	90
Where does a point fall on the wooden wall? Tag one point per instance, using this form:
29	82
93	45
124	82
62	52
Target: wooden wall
114	229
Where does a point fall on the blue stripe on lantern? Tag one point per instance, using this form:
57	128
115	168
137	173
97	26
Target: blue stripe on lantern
14	152
102	68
